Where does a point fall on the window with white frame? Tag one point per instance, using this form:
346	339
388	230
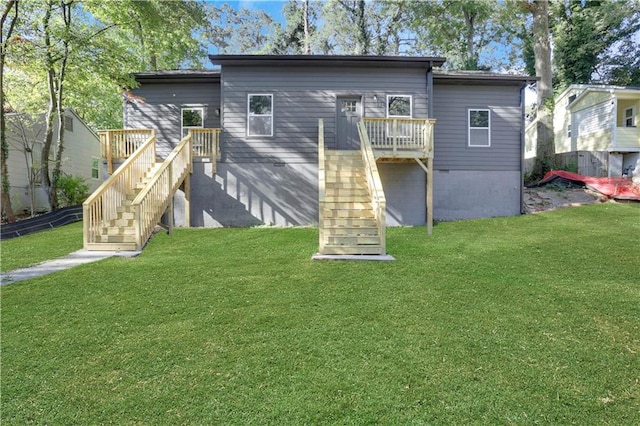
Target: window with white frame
399	106
260	114
192	118
569	130
95	168
479	122
630	117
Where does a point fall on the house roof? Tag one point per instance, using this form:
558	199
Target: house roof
583	90
175	75
471	77
329	60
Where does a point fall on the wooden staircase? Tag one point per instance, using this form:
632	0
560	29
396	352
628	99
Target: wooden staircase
120	233
124	211
348	223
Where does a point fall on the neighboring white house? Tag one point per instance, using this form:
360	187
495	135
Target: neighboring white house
25	134
596	127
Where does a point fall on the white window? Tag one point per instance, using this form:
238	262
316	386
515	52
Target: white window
569	130
399	106
479	127
95	168
260	115
192	118
629	117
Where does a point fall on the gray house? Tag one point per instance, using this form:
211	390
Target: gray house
269	175
290	130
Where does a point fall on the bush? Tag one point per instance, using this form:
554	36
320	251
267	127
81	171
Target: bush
72	190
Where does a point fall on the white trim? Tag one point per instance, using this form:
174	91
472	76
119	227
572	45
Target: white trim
249	115
633	116
469	128
400	116
97	167
182	126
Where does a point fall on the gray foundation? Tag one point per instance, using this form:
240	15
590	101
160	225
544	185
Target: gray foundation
463	194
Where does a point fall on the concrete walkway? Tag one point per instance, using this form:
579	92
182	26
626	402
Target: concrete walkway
76	258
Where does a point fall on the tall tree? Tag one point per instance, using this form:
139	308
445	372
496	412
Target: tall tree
9	16
462	30
296	36
244	31
583	34
545	149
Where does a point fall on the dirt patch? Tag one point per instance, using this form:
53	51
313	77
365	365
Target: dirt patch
552	198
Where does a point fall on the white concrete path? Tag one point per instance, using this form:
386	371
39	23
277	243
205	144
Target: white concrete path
74	259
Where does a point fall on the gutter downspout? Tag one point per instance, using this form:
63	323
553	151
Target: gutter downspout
430	90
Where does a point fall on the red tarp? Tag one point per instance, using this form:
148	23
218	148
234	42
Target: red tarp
618	187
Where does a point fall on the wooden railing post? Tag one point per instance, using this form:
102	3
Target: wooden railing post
109	154
395	137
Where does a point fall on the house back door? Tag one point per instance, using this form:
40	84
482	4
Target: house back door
349	112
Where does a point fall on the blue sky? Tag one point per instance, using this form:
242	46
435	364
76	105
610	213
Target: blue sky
273	8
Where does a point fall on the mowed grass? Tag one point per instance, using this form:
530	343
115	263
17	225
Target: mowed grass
35	248
523	320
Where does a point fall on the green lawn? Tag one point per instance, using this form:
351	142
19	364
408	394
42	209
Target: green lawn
524	320
35	248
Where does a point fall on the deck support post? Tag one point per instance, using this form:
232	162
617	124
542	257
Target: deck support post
428	170
187	201
430	196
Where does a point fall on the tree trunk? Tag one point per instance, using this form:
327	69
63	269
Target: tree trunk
545	150
364	43
7	210
51	110
470	60
307	35
57	165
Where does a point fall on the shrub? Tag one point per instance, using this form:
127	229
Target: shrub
72	190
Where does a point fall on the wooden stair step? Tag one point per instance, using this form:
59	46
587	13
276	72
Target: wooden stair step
355	231
358	214
347	205
351	222
347	198
352	250
117	238
121	222
118	230
350	240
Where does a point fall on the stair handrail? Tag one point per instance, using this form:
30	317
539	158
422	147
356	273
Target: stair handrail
321	184
378	199
152	201
102	205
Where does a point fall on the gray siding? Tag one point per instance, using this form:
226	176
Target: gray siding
475	194
161	105
451	103
301	97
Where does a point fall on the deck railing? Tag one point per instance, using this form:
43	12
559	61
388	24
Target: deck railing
321	183
102	206
121	144
378	199
400	137
206	144
151	203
